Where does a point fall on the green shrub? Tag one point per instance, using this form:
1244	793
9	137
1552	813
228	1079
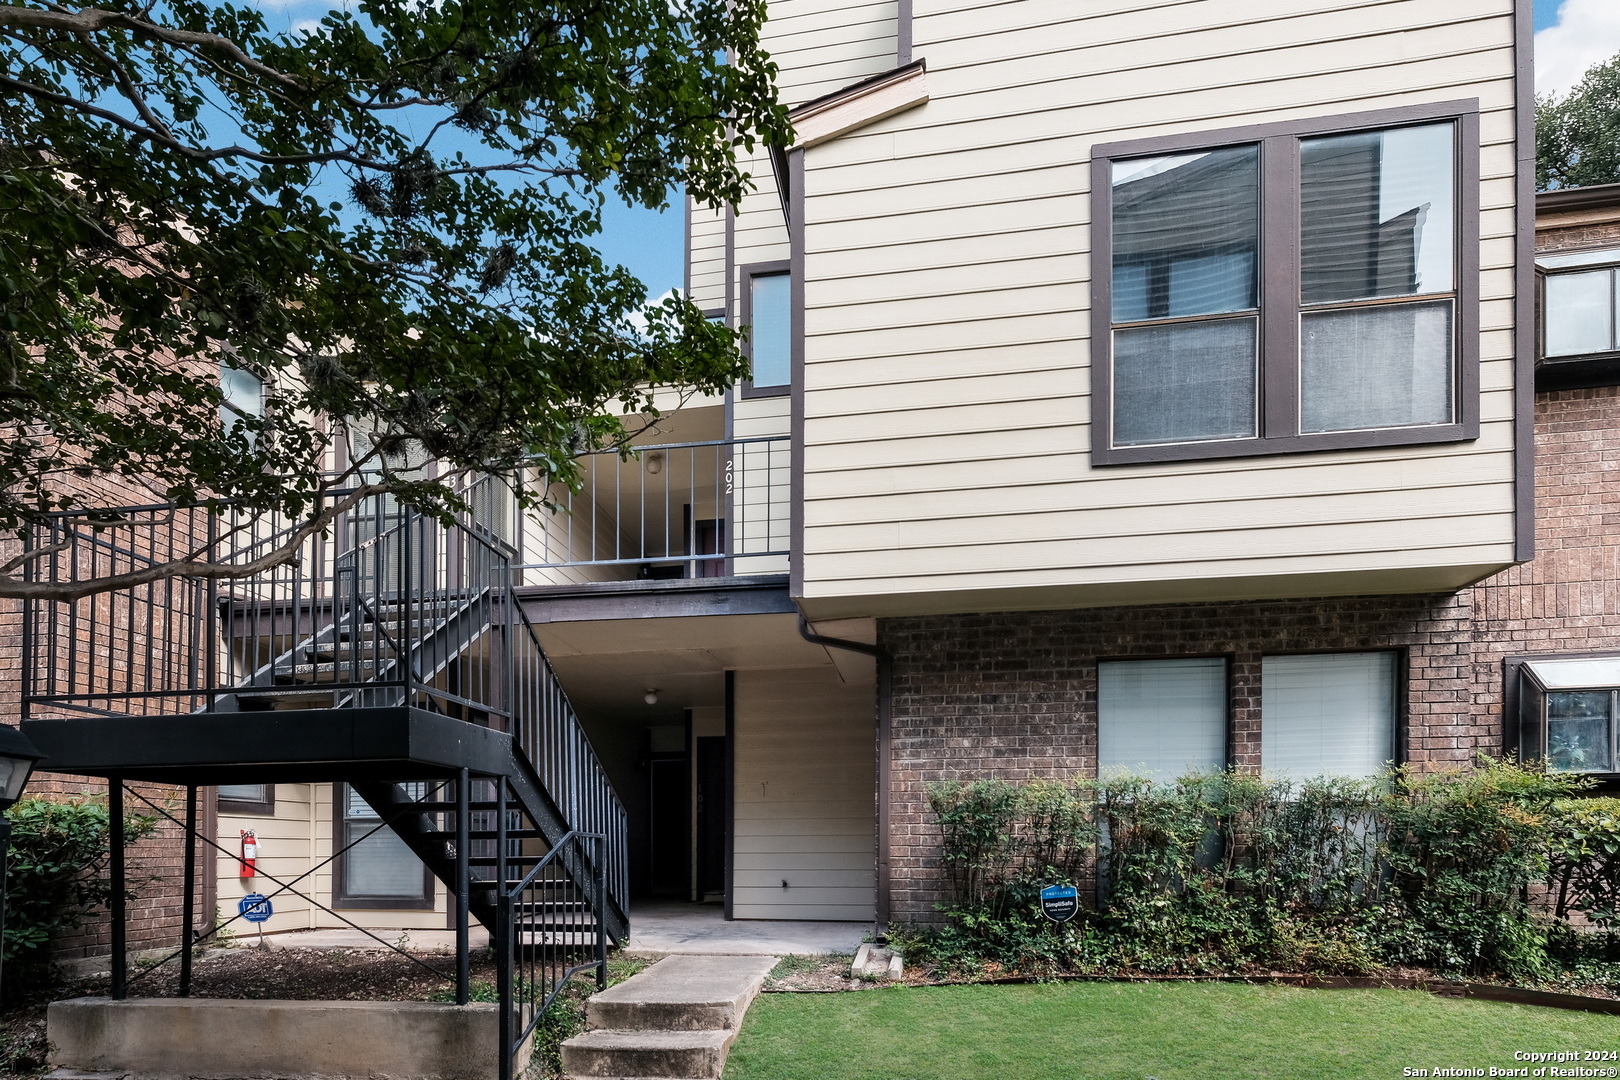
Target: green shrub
55	876
1227	871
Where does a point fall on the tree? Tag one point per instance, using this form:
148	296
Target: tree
1578	135
385	218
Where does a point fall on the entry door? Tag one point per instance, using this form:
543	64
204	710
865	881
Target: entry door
670	807
711	817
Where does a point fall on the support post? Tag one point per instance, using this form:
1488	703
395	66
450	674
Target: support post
189	903
5	856
503	934
463	889
118	902
601	912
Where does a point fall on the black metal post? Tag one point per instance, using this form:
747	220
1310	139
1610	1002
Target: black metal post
503	933
188	912
5	857
118	902
601	912
463	890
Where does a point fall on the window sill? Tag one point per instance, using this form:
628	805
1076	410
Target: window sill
750	391
1578	372
1287	444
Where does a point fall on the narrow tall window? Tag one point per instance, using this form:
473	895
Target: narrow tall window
1331	714
769	318
1161	718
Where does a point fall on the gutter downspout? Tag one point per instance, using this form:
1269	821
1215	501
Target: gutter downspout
885	699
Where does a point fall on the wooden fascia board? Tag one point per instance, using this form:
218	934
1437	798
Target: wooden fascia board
857	106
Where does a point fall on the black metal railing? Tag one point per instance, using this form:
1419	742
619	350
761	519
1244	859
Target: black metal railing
395	607
698	509
547	933
549	731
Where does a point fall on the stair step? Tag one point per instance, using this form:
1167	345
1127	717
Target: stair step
330	672
683	993
284	702
699	1055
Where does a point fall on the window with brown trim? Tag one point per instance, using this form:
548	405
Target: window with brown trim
767	314
1289	287
379	871
247	798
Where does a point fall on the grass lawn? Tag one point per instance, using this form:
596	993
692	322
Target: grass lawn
1132	1031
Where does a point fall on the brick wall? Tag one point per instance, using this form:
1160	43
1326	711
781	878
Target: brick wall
1015	695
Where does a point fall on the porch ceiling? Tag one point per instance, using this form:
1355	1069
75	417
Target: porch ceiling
608	665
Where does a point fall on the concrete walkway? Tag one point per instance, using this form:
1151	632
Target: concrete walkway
678	1018
661	929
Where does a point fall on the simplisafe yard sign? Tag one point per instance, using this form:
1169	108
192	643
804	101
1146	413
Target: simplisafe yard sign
255	907
1060	902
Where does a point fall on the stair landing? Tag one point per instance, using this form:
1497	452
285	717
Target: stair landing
678	1018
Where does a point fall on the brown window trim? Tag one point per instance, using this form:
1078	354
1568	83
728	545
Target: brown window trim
248	806
340	871
745	317
1279	306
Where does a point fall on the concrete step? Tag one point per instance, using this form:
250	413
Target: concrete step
683	993
693	1055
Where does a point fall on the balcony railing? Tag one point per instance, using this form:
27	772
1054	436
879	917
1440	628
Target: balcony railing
671	510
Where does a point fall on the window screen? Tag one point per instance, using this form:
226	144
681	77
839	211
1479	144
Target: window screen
1161	718
1327	715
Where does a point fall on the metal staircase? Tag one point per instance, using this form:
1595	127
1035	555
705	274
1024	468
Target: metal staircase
398	614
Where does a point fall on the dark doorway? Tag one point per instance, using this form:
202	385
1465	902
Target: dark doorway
712	813
671	810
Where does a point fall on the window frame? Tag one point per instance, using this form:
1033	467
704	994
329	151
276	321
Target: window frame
341	897
1280	303
1400	722
1545	272
1513	718
745	317
227	805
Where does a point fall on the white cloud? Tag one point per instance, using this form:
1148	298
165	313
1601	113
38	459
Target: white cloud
1587	32
638	319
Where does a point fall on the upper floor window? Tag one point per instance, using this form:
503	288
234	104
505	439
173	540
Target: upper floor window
1291	287
1578	303
768	314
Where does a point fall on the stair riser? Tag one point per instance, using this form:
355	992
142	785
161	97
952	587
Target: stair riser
708	1016
696	1063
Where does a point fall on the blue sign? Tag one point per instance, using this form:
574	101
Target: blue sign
1060	902
255	907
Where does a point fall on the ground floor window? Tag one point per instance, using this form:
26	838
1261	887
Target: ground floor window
1161	718
1328	714
1568	711
379	871
247	798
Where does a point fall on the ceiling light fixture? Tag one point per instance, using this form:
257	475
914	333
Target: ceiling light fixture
651	697
655	464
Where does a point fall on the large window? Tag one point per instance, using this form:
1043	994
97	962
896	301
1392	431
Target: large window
768	315
1291	287
1567	713
1161	718
1328	714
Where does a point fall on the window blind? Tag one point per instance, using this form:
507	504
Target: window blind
1327	715
1161	718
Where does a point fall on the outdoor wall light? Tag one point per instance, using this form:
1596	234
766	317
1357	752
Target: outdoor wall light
655	465
651	696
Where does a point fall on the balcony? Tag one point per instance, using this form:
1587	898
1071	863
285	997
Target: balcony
667	510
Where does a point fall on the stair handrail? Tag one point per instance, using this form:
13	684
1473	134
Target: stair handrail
530	974
567	763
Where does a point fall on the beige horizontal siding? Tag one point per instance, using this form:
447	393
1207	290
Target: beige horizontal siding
947	390
824	45
804	796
